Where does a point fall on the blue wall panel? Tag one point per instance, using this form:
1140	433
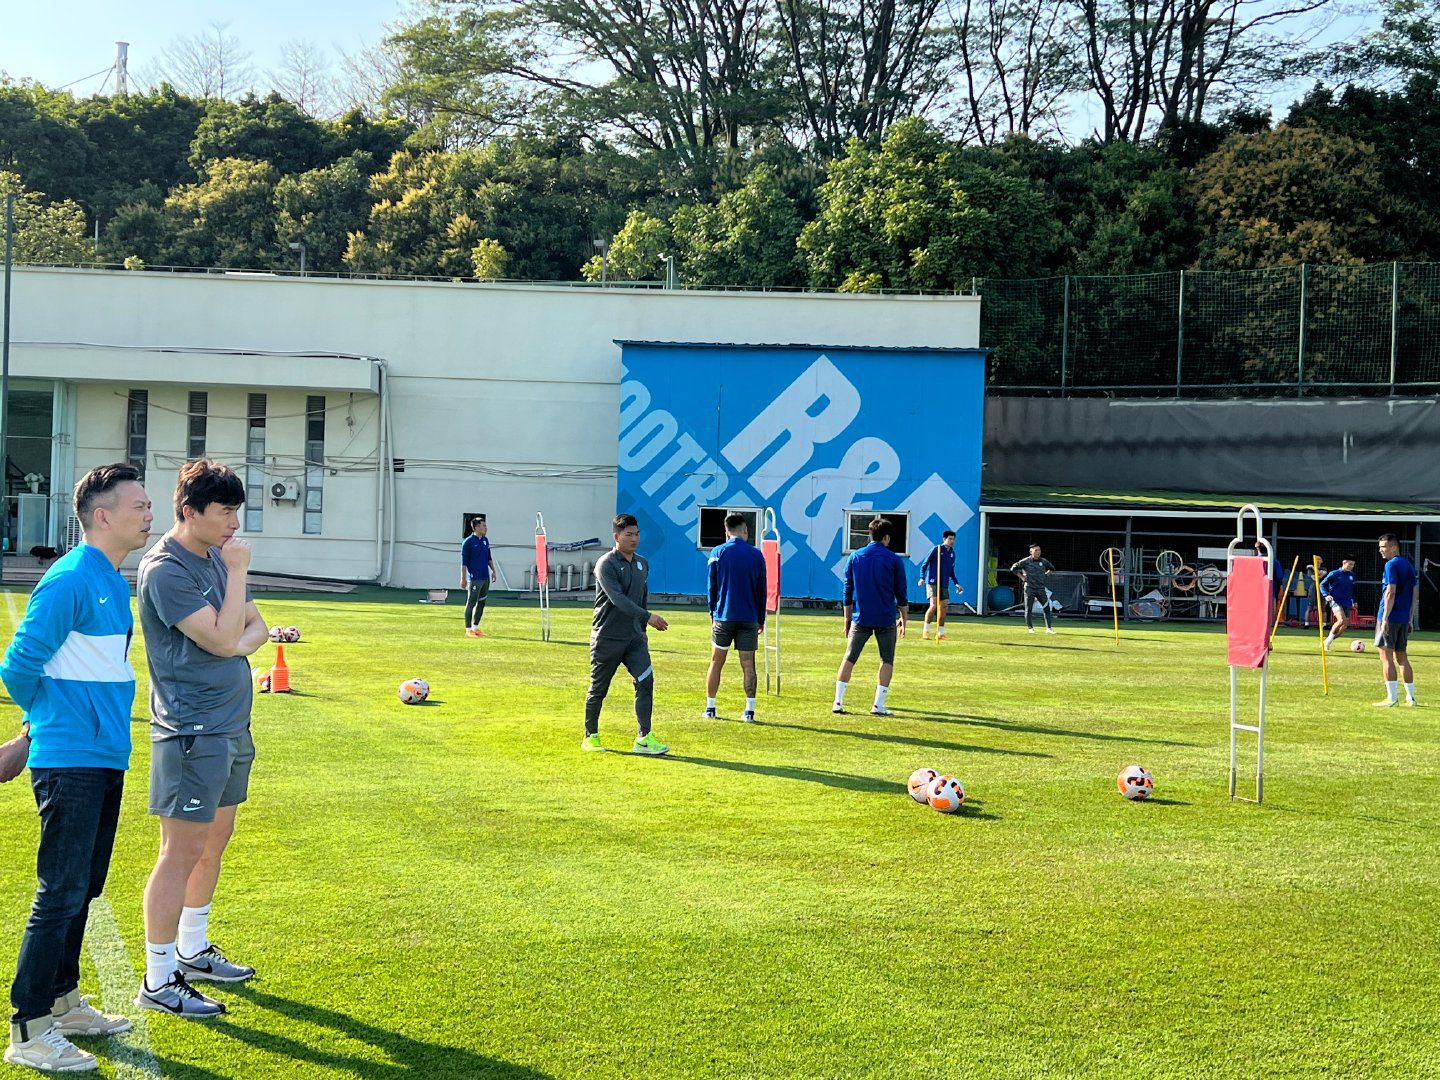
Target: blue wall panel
810	431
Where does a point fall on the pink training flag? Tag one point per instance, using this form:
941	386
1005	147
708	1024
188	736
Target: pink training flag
770	548
542	561
1249	602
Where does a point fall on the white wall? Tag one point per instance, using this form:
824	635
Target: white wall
489	384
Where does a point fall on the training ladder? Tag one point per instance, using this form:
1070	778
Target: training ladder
1249	594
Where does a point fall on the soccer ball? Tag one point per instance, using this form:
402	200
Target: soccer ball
290	634
262	681
1357	646
920	782
1135	782
414	691
277	633
947	795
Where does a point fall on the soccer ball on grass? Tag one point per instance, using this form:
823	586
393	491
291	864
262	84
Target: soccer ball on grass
1357	646
921	781
947	795
1135	782
414	691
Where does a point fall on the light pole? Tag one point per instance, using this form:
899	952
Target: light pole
670	281
300	247
603	246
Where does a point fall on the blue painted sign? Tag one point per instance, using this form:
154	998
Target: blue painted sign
821	435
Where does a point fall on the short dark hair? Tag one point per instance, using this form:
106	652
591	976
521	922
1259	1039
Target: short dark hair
96	485
202	482
880	528
734	521
1035	544
947	534
1389	538
1349	558
624	521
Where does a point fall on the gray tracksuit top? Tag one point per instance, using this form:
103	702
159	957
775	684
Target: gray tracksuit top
622	589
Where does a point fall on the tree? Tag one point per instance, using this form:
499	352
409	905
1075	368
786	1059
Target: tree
227	219
635	252
46	231
322	207
914	214
303	77
212	64
747	238
1018	60
268	129
1293	195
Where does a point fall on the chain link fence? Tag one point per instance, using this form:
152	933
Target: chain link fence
1300	331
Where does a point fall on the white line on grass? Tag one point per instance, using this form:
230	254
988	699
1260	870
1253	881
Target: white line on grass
13	609
130	1053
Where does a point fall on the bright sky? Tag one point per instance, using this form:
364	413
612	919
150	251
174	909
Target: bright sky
57	43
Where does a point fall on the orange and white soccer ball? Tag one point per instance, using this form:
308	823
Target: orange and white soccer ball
290	634
1135	782
414	691
1357	646
921	781
277	633
947	795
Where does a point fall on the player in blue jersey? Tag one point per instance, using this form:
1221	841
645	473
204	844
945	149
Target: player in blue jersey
938	576
875	606
737	610
1337	588
1392	624
477	571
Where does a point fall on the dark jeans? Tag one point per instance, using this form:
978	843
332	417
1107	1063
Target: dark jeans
79	809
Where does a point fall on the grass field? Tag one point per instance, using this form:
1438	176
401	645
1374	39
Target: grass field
454	890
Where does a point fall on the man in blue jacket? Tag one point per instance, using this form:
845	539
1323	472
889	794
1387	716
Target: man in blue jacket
875	601
1338	589
477	571
937	578
67	667
737	610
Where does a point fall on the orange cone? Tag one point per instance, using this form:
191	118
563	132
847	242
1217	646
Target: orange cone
280	673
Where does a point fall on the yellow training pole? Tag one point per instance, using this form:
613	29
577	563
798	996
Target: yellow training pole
1280	607
1114	604
1320	626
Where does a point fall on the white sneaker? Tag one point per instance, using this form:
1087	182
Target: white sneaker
1411	701
49	1051
1029	629
1049	630
1386	704
74	1015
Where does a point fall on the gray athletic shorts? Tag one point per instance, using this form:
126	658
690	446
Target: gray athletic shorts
190	777
1397	637
744	636
884	638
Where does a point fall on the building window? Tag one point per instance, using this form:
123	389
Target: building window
857	532
314	463
712	524
255	463
199	406
137	426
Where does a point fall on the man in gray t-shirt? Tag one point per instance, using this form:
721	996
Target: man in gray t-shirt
200	627
1032	572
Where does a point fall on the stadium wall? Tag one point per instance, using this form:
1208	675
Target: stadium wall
1377	450
503	399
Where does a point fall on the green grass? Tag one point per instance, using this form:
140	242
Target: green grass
454	890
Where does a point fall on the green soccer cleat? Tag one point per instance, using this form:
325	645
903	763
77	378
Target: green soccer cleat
591	742
651	746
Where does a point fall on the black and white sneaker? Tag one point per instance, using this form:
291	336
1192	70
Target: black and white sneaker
748	716
838	709
212	966
709	712
178	998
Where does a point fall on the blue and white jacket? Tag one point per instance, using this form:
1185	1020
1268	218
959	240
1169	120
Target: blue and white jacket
68	665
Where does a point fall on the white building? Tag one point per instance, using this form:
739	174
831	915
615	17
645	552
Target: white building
391	408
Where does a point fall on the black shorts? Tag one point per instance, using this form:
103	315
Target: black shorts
744	636
884	638
1395	636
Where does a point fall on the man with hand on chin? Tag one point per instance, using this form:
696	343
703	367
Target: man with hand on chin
200	627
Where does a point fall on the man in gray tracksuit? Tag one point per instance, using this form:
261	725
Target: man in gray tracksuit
1033	571
617	636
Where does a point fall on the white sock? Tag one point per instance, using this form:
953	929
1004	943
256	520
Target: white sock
749	704
1410	690
159	964
840	688
925	627
194	923
940	631
880	692
1392	689
709	703
1329	639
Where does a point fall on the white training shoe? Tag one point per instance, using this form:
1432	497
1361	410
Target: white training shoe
1049	630
48	1051
1386	704
1029	629
74	1015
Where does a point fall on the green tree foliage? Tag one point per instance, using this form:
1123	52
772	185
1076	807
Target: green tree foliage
747	238
227	219
46	230
322	207
635	252
914	213
268	129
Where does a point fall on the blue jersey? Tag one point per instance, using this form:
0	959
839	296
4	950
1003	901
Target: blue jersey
737	582
946	556
875	585
1339	586
1400	573
67	666
475	557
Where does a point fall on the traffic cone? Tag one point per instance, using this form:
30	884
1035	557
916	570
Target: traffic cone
280	673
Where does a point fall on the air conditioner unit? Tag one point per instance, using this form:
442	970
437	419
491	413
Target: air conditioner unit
287	490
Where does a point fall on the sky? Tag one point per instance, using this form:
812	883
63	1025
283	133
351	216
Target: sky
55	44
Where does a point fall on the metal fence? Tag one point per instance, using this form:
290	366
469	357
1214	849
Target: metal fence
1301	331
